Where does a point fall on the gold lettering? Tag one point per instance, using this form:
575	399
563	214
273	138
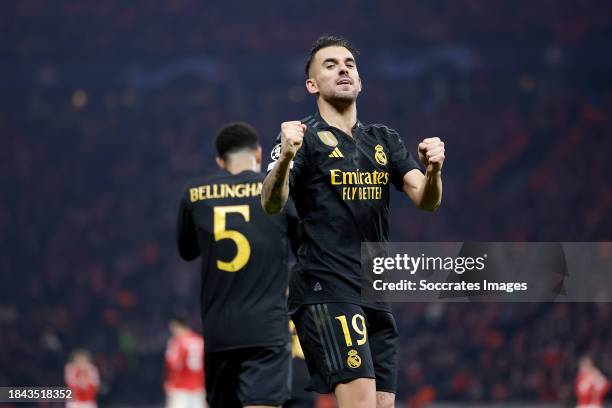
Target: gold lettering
373	193
334	177
252	189
224	191
193	194
339	177
240	190
369	181
349	177
247	190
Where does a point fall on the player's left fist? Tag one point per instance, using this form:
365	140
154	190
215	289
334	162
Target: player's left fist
431	154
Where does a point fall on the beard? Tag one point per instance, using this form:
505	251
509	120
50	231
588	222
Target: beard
340	98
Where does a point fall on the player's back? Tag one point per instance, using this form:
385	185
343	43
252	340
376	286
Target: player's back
184	362
83	380
244	260
591	388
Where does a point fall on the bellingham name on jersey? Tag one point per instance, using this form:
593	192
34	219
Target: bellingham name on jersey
212	191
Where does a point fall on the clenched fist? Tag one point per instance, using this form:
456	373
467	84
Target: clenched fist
431	154
292	135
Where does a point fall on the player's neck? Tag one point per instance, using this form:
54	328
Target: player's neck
181	332
243	163
343	118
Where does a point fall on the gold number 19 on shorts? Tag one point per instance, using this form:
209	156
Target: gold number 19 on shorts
359	326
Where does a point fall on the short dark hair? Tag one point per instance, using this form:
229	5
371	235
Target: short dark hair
234	137
325	41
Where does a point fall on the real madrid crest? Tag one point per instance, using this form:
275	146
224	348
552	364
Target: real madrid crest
379	155
328	138
353	360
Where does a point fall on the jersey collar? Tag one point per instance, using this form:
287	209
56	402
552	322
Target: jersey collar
320	123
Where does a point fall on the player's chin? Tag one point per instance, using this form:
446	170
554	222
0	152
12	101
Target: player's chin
344	96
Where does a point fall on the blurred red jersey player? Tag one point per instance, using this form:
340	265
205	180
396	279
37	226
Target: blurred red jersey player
83	379
184	383
591	385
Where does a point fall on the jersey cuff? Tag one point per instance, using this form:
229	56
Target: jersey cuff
402	169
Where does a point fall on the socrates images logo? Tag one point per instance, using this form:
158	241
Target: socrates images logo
379	155
353	360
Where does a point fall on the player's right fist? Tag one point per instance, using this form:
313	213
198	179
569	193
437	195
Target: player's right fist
292	136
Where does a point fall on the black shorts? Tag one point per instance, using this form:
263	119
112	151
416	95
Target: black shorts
343	341
300	398
249	376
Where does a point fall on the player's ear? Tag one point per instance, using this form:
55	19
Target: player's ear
360	85
220	163
311	86
258	155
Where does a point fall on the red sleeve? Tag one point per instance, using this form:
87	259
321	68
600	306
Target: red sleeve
69	376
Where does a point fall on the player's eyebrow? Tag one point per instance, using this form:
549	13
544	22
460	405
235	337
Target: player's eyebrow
335	60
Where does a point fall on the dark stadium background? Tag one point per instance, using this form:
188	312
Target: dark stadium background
108	107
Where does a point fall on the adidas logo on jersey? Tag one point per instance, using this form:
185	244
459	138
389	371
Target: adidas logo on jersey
318	287
336	153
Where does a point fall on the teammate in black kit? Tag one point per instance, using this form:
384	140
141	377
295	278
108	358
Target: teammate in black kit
338	172
244	276
300	398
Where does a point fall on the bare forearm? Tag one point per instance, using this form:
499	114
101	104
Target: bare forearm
275	189
431	191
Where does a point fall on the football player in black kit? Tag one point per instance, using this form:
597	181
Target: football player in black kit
338	171
244	255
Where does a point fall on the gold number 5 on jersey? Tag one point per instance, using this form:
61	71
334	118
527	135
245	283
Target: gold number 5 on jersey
243	248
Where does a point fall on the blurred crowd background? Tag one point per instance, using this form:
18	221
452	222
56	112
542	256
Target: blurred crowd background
109	107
